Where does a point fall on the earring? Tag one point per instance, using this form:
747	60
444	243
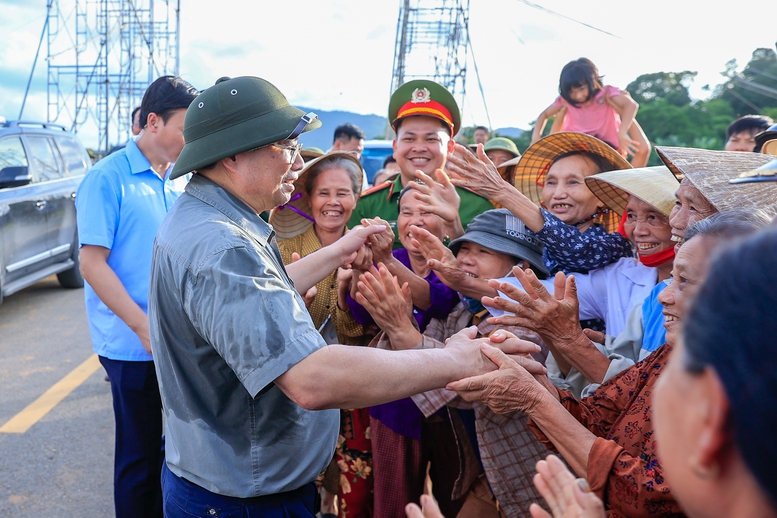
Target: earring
703	472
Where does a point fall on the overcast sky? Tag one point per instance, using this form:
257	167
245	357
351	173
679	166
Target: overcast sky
339	54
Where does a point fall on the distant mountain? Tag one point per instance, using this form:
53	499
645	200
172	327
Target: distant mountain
374	126
509	132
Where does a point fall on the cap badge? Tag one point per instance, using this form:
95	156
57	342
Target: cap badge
421	96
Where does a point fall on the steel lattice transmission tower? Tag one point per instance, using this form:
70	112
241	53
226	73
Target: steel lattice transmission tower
102	55
431	43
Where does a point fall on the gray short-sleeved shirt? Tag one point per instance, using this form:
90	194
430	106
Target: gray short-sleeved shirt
225	322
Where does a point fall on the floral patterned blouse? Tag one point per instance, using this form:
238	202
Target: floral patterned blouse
569	250
622	467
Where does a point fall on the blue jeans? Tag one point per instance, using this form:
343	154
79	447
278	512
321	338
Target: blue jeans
183	499
139	451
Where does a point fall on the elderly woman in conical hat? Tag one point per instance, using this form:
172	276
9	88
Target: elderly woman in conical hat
703	191
622	294
704	185
608	437
713	405
550	196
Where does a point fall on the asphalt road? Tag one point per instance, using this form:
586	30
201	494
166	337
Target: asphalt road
62	465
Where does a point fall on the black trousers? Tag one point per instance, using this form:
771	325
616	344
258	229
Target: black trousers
139	453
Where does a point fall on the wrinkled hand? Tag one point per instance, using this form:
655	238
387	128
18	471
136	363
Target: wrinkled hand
553	317
566	496
511	388
428	509
380	294
350	244
381	243
363	259
438	256
476	173
438	197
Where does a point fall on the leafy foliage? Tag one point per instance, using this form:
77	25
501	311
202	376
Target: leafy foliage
670	117
755	88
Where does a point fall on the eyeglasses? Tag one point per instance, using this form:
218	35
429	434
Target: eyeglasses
292	150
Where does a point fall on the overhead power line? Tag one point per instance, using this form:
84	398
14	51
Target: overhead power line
554	13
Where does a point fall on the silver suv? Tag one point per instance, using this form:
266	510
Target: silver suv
41	167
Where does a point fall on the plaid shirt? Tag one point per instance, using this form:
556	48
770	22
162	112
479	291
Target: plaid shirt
508	449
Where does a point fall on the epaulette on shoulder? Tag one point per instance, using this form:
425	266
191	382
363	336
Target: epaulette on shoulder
376	188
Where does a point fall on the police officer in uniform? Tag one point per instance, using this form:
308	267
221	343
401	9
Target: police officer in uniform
425	118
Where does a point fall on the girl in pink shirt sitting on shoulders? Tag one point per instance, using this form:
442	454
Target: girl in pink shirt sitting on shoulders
587	106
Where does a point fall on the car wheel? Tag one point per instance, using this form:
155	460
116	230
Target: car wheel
72	278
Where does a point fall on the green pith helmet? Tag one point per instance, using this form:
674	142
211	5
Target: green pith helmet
501	143
423	97
234	116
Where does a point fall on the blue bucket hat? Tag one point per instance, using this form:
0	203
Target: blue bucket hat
501	231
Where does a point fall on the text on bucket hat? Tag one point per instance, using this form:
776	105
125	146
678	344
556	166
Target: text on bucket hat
424	97
501	231
710	171
234	116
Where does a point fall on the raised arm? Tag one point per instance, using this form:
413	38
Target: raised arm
390	306
441	260
439	197
627	109
479	174
381	244
539	126
555	317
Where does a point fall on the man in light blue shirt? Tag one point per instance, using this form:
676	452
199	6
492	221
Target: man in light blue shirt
120	205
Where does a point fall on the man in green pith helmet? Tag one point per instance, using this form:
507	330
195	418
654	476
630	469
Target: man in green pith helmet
425	117
247	383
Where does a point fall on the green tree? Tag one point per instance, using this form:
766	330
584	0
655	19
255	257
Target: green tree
670	87
754	89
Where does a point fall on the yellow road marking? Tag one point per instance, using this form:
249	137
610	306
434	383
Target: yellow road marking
35	411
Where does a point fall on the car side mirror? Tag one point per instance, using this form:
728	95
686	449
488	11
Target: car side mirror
15	176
